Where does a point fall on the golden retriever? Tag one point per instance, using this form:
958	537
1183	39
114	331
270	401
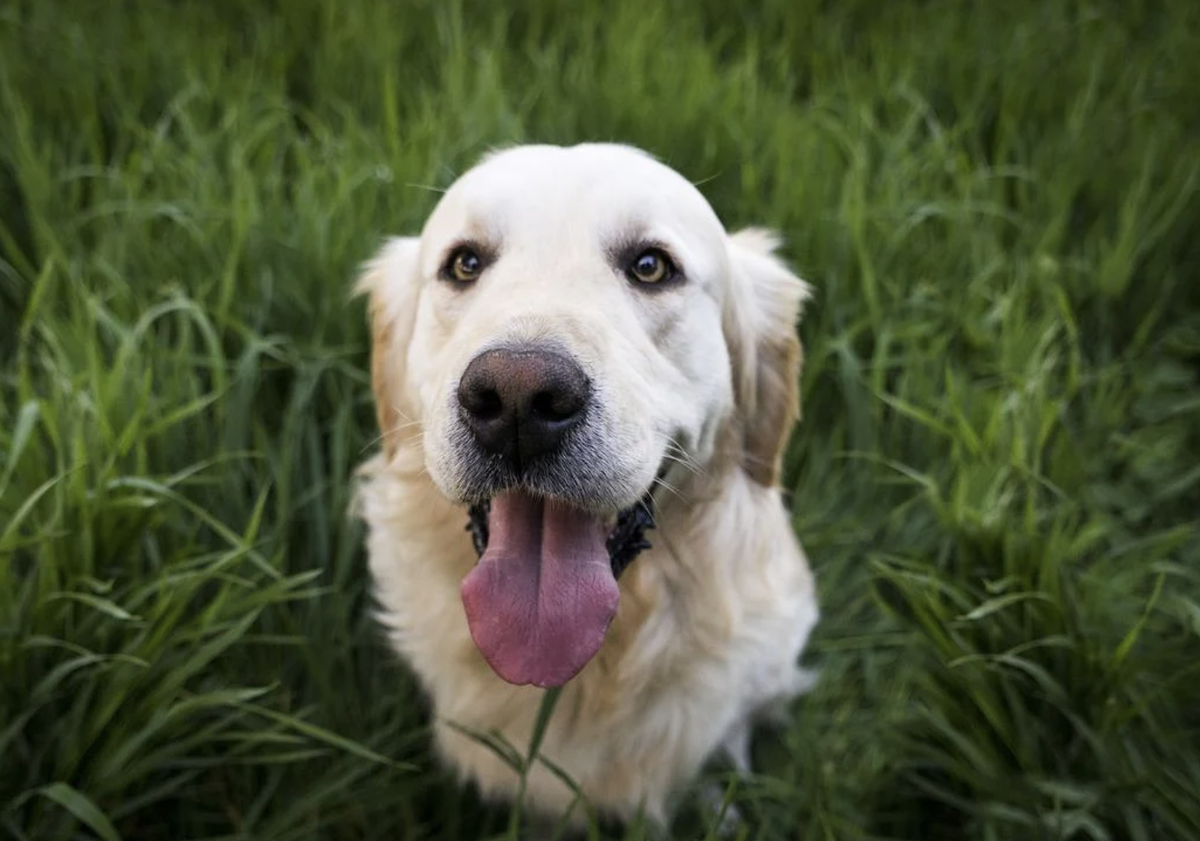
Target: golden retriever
584	385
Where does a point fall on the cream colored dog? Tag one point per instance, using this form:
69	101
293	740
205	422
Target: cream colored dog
572	343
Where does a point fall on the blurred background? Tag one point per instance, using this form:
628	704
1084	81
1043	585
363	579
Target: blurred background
997	477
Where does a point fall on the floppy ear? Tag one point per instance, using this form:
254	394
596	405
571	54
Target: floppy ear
390	283
760	329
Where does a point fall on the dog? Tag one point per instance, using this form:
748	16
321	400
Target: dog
584	385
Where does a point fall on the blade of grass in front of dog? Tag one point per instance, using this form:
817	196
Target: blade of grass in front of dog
579	799
717	828
509	755
545	711
495	742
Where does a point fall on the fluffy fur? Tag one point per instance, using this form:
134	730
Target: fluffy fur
701	377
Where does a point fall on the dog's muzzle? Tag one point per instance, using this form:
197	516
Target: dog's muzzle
541	597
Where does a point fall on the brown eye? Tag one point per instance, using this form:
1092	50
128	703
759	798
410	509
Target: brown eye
464	266
651	266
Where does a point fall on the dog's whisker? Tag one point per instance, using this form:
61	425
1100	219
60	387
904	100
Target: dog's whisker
419	437
401	427
677	454
687	467
404	416
427	187
371	443
685	462
671	489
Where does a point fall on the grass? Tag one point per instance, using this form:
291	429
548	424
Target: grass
996	478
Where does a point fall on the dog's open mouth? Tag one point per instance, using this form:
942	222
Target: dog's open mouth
544	592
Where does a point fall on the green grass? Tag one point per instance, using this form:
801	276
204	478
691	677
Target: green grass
997	477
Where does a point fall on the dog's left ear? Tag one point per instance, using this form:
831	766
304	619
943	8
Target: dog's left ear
389	282
760	330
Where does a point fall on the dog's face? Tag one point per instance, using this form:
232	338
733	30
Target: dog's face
572	326
605	268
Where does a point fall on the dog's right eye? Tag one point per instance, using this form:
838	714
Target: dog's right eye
651	267
463	266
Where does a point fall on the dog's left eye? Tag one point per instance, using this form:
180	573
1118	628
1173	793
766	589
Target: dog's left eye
464	265
651	266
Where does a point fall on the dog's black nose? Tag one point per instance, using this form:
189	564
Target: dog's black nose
520	403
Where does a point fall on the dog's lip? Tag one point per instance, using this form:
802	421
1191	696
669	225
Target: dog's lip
625	528
602	508
610	517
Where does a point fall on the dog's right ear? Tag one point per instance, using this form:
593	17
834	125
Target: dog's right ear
389	280
760	327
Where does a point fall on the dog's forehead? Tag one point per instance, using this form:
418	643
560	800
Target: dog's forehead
600	184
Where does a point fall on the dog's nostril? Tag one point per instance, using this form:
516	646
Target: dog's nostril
554	405
484	403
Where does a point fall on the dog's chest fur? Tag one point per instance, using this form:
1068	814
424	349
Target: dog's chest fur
711	623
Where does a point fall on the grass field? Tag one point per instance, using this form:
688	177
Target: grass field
997	476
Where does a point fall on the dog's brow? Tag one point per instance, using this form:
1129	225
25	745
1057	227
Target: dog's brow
632	235
480	232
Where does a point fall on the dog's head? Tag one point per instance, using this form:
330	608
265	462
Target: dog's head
573	328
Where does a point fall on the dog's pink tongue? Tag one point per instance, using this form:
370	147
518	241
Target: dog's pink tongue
541	598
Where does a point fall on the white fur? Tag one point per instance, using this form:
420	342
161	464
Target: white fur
713	618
